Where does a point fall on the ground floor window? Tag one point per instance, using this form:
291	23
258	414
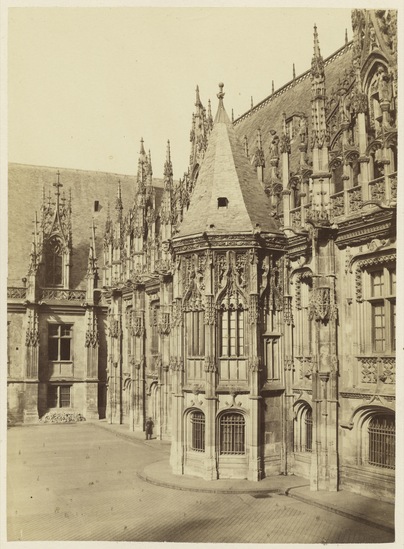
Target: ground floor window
198	431
59	396
232	434
303	436
382	440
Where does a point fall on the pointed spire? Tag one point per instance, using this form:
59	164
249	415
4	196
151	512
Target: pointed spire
198	102
294	72
259	139
209	109
168	168
118	203
57	186
93	235
142	151
346	36
273	87
232	115
316	43
317	63
150	166
252	103
36	231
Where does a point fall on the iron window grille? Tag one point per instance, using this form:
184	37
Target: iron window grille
303	435
198	431
382	441
308	421
232	434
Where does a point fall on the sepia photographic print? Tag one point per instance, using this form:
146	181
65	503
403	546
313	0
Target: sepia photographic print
199	339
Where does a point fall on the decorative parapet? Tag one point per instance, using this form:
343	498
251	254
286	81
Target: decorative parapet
16	293
296	218
377	189
62	295
373	369
337	204
355	199
393	185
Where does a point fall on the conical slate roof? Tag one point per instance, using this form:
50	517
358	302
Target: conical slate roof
228	198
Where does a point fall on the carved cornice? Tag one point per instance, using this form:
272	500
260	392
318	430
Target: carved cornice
363	228
211	241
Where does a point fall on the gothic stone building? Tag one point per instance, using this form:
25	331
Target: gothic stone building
249	307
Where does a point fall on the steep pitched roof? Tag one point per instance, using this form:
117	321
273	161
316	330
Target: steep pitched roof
25	185
227	174
294	97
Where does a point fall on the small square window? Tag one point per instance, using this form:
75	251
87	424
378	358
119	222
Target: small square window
96	205
222	202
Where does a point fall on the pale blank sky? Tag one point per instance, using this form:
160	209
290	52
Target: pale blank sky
85	84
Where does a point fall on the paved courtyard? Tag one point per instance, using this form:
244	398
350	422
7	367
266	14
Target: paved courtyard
79	482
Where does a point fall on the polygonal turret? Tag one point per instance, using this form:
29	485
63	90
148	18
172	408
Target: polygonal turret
228	197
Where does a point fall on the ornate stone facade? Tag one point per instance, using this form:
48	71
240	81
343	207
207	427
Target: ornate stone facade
250	312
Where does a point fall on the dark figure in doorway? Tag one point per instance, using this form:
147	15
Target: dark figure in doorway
149	428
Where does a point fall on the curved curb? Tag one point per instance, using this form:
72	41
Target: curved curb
338	511
166	484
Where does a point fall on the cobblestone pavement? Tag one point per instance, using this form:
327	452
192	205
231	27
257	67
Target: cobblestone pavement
79	482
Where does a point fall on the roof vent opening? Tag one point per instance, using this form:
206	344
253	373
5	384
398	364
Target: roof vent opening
222	202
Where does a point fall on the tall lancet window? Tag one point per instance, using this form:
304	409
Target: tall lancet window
232	331
54	263
232	342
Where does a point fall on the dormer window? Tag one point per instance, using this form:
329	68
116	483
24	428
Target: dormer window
222	202
54	263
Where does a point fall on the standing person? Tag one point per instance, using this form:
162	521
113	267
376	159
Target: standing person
149	428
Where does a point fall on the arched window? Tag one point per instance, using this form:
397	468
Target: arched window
381	441
337	173
232	434
198	431
54	263
303	434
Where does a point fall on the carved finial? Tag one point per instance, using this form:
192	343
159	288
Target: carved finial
36	230
57	185
346	36
118	203
259	140
273	87
221	93
316	43
294	71
150	164
232	115
252	102
284	130
168	169
93	227
209	109
142	151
